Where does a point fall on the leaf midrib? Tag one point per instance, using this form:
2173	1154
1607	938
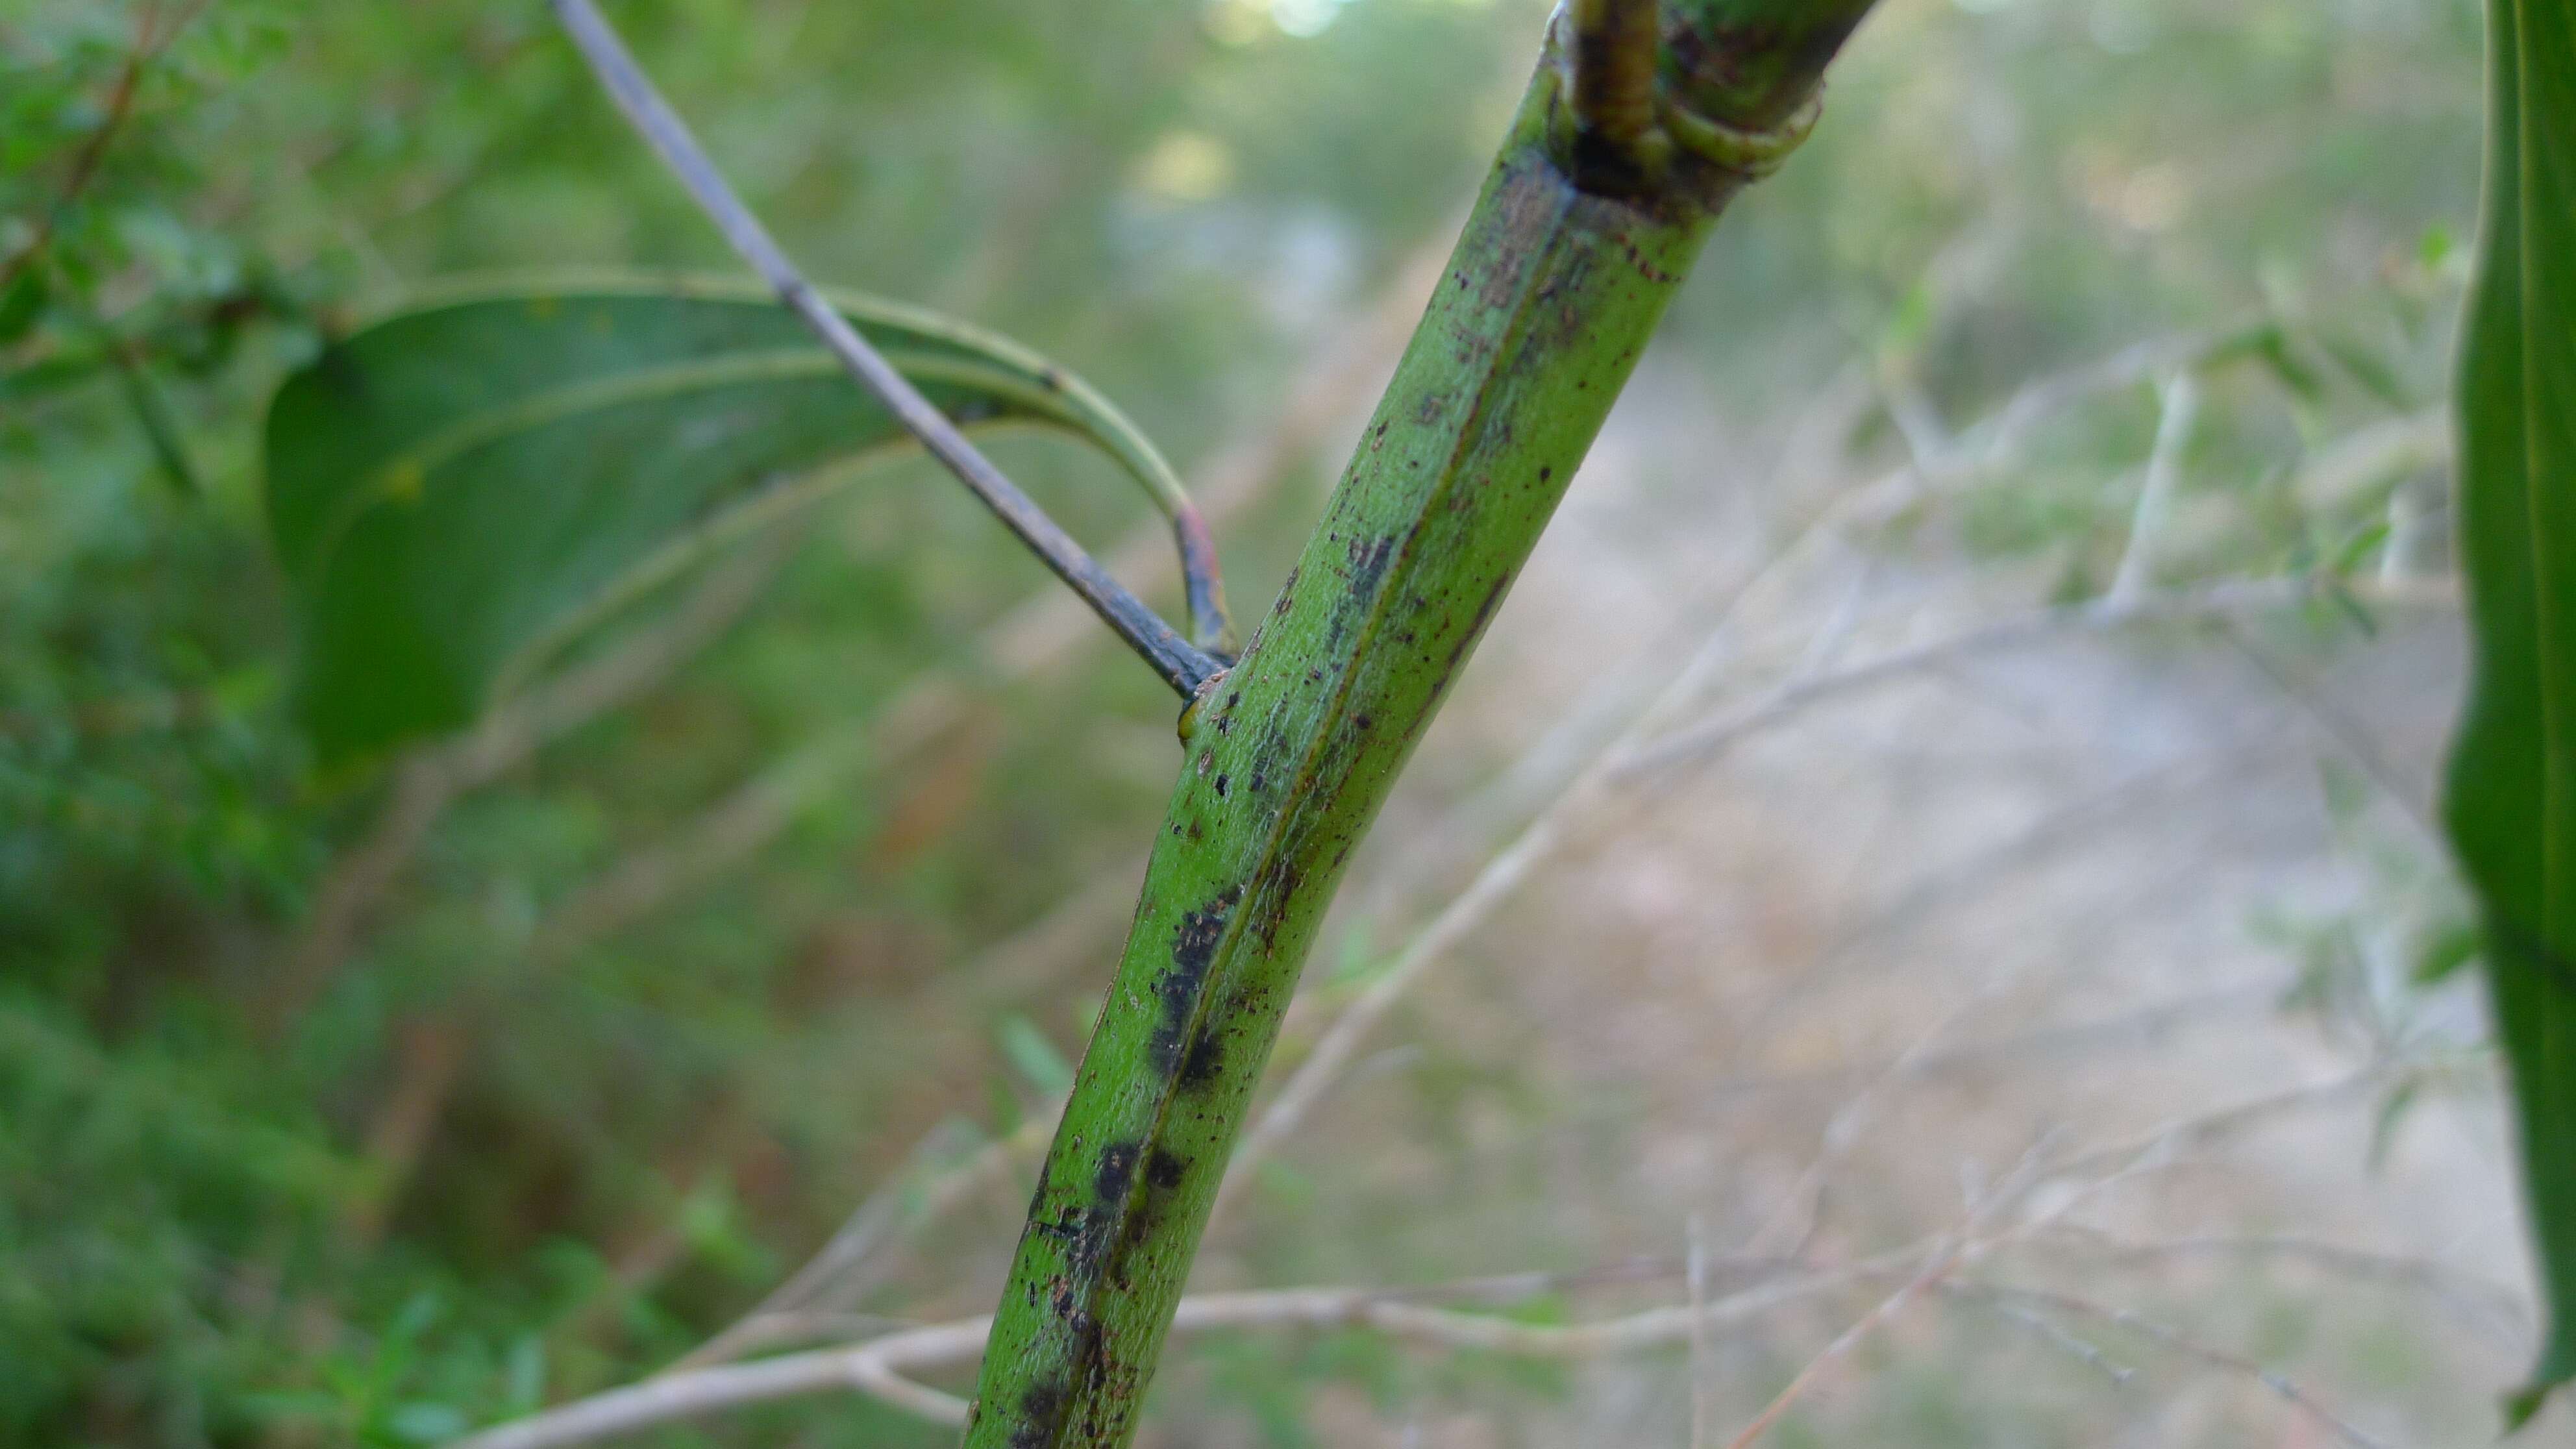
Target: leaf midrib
2548	627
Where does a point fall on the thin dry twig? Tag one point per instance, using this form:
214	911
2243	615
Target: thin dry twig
2344	733
2202	604
1635	758
2169	782
2278	1383
2335	476
2141	1025
2495	1311
1537	841
1961	1248
1703	1363
2178	405
1632	754
2050	1332
878	1365
868	1367
849	1262
2161	1144
1845	1125
2116	1163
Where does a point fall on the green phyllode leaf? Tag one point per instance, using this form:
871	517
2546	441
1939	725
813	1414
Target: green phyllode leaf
469	480
2512	792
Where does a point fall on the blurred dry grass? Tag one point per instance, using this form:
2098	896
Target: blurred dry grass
805	926
1857	967
2003	937
1994	923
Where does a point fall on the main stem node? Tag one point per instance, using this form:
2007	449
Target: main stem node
1618	129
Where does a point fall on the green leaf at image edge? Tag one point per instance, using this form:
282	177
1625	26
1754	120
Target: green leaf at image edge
2511	803
467	481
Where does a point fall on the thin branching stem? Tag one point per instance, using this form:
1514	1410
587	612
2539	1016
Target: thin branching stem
1642	755
2178	404
2279	1384
879	1365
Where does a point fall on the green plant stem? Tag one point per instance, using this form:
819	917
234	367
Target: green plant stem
1549	298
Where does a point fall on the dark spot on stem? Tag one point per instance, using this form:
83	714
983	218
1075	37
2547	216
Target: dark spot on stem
1091	1240
1205	1062
1368	563
1646	269
1194	945
1117	1170
1041	1408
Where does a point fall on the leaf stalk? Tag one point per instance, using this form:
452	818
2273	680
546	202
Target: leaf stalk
1185	664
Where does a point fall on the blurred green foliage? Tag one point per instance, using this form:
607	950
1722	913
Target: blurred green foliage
217	1228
